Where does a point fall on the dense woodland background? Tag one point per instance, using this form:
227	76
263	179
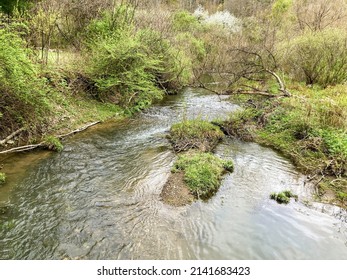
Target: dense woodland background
64	63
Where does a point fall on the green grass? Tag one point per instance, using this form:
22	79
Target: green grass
283	197
195	134
202	172
53	143
2	178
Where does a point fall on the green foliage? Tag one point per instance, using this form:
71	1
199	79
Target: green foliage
318	57
111	23
309	128
195	134
2	178
10	6
202	172
283	197
342	196
131	67
193	47
174	72
121	67
53	143
228	165
334	141
23	92
184	21
16	69
279	7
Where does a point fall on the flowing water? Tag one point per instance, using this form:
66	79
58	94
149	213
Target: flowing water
100	198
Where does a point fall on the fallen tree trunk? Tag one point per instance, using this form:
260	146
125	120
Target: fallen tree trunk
77	130
23	148
8	138
43	144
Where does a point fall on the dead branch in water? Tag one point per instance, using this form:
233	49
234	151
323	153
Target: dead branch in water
77	130
23	148
44	144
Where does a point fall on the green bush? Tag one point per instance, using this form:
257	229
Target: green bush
318	57
131	67
17	72
121	68
173	72
202	172
23	92
10	6
184	21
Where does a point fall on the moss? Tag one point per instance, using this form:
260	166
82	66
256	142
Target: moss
283	197
202	172
2	178
195	134
53	143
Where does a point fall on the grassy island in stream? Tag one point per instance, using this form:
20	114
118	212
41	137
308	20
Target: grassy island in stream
202	172
196	173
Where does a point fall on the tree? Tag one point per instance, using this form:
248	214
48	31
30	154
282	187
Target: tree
317	15
9	6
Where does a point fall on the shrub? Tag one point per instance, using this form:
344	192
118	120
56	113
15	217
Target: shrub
11	6
173	71
184	21
221	18
318	57
121	68
132	67
23	92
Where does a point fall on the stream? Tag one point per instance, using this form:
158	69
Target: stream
100	198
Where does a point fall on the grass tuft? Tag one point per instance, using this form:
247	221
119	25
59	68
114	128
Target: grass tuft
2	178
195	134
283	197
53	143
